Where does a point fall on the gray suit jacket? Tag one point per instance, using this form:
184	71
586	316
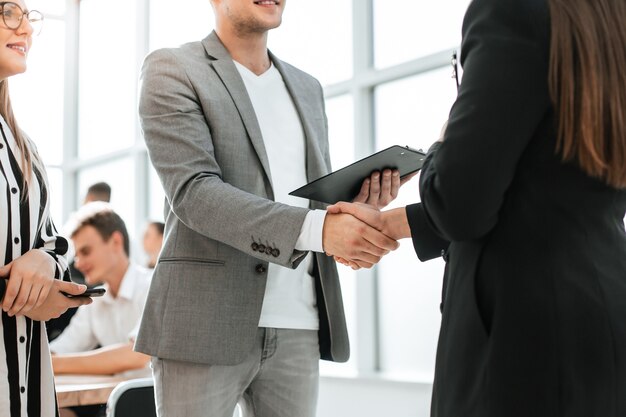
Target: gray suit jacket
206	145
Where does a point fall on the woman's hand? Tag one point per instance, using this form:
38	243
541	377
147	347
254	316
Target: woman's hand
30	278
57	303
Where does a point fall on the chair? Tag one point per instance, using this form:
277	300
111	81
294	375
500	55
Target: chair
132	398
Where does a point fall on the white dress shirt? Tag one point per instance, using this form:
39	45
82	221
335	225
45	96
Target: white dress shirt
107	320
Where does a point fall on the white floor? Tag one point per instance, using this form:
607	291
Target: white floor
372	397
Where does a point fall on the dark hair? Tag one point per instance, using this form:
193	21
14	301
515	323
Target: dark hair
101	191
105	221
160	226
587	82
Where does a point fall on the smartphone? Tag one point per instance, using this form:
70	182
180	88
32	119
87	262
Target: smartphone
89	292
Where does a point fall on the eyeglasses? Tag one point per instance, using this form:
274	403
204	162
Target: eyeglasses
12	16
455	69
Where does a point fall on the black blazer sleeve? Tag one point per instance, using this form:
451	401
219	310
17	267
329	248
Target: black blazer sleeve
502	99
427	243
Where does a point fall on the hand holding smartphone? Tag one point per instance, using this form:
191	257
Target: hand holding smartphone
89	292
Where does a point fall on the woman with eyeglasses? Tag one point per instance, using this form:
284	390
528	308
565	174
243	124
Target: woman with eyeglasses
34	272
528	188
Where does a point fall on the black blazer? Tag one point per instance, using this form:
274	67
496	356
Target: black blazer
534	316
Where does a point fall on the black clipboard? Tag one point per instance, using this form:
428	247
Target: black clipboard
345	183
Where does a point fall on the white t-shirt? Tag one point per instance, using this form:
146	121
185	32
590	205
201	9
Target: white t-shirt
107	320
289	301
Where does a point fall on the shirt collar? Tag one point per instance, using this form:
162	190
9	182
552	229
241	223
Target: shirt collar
127	286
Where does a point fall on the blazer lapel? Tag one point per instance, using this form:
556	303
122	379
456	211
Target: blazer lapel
303	99
226	70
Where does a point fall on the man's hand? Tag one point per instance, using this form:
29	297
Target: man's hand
393	223
349	238
380	190
57	303
30	278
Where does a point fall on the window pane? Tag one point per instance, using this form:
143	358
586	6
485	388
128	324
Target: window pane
340	113
170	29
107	81
37	95
55	191
410	112
47	7
116	174
316	39
407	29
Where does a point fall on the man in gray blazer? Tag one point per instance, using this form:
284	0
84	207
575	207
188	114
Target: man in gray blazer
243	301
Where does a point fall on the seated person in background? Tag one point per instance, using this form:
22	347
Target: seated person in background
100	191
99	339
152	242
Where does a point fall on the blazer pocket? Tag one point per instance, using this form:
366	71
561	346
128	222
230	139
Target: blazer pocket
197	261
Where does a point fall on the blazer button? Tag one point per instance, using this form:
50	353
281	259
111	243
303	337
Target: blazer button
275	253
268	250
254	246
261	248
260	268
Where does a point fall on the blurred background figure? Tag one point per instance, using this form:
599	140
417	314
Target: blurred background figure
100	340
152	242
100	191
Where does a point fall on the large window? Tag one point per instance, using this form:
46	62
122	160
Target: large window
107	78
38	95
411	29
410	112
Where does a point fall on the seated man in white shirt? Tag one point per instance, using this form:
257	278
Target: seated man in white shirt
99	339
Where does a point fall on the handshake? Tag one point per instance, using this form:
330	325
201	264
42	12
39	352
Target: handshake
358	234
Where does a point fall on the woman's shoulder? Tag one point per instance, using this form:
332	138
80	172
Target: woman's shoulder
529	11
527	19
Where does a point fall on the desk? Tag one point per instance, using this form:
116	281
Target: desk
74	390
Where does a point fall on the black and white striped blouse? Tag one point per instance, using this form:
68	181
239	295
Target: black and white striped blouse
26	379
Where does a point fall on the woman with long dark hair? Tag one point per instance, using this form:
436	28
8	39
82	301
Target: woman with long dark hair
34	270
525	194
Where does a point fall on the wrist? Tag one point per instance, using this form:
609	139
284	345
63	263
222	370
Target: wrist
395	223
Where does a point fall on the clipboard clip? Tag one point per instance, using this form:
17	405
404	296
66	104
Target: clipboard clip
455	69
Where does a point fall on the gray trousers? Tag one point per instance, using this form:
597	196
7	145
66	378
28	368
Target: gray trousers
278	379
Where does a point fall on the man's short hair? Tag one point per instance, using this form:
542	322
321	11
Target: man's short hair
100	216
160	226
100	191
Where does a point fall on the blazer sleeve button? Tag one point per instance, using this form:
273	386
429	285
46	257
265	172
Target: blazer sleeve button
268	250
261	248
260	268
275	253
254	246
